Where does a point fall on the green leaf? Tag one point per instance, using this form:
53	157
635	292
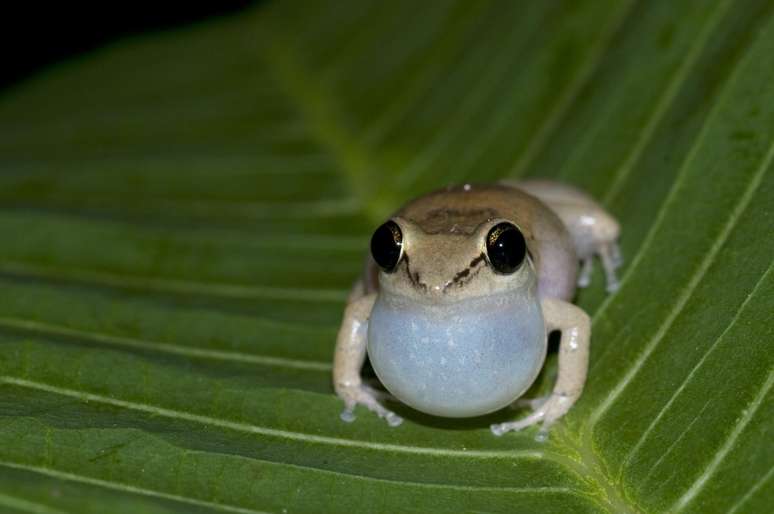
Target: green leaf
183	213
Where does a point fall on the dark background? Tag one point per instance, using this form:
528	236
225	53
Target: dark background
34	35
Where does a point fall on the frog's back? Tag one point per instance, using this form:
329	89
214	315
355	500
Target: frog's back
461	210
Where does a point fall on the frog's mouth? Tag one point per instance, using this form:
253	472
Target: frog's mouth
458	359
458	280
432	282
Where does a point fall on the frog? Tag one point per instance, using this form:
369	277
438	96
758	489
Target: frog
458	296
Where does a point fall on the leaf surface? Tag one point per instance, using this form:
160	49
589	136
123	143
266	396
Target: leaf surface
183	214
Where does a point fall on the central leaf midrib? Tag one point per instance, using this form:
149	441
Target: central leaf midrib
117	486
589	466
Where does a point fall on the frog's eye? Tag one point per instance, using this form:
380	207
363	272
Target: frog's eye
505	248
387	246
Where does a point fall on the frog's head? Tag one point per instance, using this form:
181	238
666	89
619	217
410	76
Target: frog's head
457	328
452	264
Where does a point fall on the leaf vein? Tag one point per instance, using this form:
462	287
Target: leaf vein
28	506
753	489
664	102
656	419
272	432
672	446
539	138
174	285
126	488
163	347
739	426
687	291
671	196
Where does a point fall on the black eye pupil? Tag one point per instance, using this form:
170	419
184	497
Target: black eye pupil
386	245
505	247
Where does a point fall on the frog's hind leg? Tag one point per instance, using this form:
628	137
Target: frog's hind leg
593	230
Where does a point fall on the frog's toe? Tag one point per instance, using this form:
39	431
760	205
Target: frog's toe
348	415
612	286
390	417
365	396
513	426
584	277
498	429
611	259
615	255
393	419
542	435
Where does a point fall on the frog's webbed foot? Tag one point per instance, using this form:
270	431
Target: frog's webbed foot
367	397
546	410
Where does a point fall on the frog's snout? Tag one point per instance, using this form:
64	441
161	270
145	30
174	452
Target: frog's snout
437	277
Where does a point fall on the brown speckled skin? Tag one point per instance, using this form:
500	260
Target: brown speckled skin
461	212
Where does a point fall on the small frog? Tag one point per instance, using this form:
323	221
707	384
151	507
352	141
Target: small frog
459	294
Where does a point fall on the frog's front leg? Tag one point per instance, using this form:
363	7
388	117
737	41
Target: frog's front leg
348	361
575	327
